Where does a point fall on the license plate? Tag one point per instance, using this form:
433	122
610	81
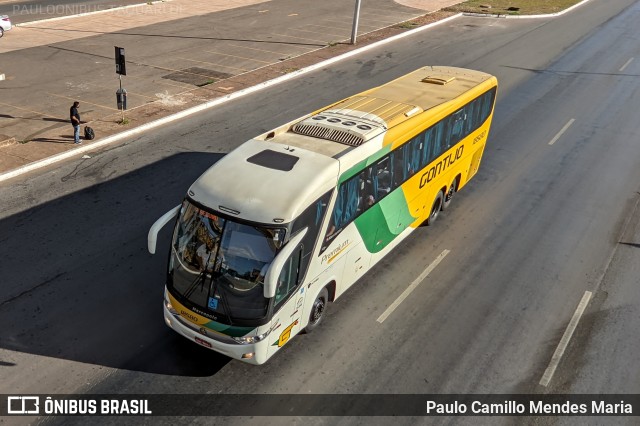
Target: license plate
203	342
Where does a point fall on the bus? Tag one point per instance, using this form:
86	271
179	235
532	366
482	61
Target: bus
288	221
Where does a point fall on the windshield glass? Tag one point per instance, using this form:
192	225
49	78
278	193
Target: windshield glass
218	265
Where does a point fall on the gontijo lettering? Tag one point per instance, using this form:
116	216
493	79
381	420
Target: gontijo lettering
441	166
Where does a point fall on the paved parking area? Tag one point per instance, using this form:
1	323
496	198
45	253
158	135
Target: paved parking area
172	49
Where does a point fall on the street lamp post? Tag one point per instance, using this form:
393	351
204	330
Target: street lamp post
356	17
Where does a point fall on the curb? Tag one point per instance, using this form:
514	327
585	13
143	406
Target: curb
210	104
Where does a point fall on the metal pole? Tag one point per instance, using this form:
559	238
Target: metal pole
356	17
122	104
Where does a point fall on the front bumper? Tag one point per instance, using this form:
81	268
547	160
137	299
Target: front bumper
249	353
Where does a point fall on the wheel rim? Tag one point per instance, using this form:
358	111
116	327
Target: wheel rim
452	190
435	209
318	310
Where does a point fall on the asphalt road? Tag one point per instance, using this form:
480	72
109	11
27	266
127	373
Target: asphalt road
550	215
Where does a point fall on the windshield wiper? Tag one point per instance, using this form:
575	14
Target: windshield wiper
199	278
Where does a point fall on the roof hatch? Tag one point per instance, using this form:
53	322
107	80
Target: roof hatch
439	79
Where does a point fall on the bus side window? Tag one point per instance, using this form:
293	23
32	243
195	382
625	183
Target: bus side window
469	123
311	218
477	116
438	141
398	173
382	177
487	100
366	196
288	279
427	147
412	156
345	209
456	128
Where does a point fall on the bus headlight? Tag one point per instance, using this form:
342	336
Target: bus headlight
169	306
247	340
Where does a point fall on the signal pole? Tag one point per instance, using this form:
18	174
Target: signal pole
356	17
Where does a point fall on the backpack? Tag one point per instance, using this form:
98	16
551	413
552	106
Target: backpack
89	133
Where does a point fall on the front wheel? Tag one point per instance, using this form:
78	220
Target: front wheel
435	209
1	32
317	310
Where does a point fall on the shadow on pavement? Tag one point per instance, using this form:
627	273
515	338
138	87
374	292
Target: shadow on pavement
165	35
57	120
79	284
636	245
64	139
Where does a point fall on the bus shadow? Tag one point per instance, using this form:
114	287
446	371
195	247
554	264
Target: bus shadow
79	284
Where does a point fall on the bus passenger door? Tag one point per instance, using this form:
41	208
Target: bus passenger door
288	303
356	264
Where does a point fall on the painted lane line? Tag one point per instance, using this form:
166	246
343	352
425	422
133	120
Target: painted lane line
566	337
561	132
413	286
626	64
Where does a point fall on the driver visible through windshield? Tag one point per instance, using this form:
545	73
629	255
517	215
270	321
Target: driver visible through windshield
217	265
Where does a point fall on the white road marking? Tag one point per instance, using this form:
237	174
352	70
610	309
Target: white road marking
561	132
566	337
626	64
413	286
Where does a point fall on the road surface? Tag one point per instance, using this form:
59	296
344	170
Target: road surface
551	215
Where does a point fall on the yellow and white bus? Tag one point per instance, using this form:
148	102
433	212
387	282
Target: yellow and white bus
289	220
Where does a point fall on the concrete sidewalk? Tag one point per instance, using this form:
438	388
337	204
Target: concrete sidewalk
180	53
61	29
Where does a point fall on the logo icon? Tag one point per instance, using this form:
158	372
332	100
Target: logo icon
23	405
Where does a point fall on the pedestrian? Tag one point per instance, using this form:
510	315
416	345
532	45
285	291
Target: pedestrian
74	115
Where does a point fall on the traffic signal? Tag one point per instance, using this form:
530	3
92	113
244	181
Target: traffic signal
120	62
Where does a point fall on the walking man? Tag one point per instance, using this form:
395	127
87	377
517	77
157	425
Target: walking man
74	115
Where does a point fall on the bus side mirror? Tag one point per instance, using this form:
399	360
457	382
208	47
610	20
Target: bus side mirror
152	238
271	279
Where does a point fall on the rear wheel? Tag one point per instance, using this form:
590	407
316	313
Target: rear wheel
449	195
1	32
317	310
435	209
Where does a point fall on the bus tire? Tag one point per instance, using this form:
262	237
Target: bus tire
435	208
448	196
317	310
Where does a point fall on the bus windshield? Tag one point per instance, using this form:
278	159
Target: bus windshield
217	265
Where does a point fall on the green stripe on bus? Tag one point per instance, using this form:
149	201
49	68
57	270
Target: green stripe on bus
364	164
384	221
229	330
